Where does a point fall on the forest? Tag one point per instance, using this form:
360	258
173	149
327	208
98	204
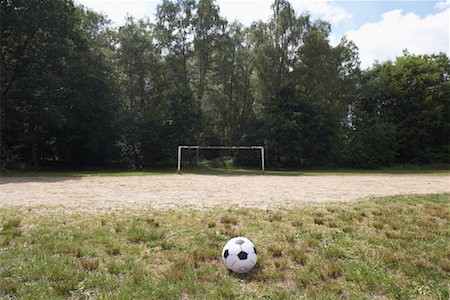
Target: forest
77	91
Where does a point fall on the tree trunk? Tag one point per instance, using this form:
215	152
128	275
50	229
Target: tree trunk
34	153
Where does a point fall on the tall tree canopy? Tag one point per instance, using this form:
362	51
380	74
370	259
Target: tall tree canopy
402	112
57	90
76	91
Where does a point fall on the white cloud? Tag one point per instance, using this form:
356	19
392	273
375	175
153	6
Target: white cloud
397	31
116	10
334	39
325	10
246	12
442	5
249	11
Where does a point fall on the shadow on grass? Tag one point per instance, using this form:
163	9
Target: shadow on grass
58	176
223	172
62	175
37	179
252	275
316	172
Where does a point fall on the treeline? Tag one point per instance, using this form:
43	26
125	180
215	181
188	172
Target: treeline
76	91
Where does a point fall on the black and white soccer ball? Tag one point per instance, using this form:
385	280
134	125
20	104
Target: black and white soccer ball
239	255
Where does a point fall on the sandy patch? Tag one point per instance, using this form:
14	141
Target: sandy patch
205	191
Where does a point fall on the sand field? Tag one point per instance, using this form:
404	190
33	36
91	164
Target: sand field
206	191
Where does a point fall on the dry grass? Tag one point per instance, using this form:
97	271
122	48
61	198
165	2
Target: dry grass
392	247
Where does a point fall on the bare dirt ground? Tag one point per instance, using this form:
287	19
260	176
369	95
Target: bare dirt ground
206	191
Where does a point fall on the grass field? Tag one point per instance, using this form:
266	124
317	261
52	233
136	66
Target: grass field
391	247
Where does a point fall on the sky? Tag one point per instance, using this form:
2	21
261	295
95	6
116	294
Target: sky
380	29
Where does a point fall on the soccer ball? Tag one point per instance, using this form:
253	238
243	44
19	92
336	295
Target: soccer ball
239	255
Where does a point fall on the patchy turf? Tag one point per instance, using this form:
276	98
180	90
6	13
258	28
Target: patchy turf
391	247
443	170
102	173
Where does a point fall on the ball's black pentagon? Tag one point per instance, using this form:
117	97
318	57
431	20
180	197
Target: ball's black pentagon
225	254
239	242
254	250
242	255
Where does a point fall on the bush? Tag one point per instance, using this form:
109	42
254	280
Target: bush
370	146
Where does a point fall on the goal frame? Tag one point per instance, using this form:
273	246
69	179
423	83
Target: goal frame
260	148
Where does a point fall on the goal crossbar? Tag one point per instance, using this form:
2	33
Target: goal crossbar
181	147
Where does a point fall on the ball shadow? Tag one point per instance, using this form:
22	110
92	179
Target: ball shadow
249	276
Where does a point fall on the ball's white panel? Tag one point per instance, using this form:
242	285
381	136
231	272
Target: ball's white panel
234	249
242	266
233	240
247	247
252	258
231	261
229	243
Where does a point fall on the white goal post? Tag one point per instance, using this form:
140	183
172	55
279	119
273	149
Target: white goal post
260	148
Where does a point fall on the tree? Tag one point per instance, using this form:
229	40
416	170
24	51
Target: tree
410	94
275	50
303	86
56	100
275	47
228	102
90	105
174	32
31	72
368	143
76	91
208	27
327	77
140	66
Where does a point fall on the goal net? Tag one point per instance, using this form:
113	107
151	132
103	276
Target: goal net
259	149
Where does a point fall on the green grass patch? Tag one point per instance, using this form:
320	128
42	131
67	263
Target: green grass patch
443	169
101	173
387	248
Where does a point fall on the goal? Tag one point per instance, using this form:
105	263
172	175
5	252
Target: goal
258	148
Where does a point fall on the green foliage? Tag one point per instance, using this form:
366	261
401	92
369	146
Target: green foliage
57	88
372	145
78	92
303	86
403	112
